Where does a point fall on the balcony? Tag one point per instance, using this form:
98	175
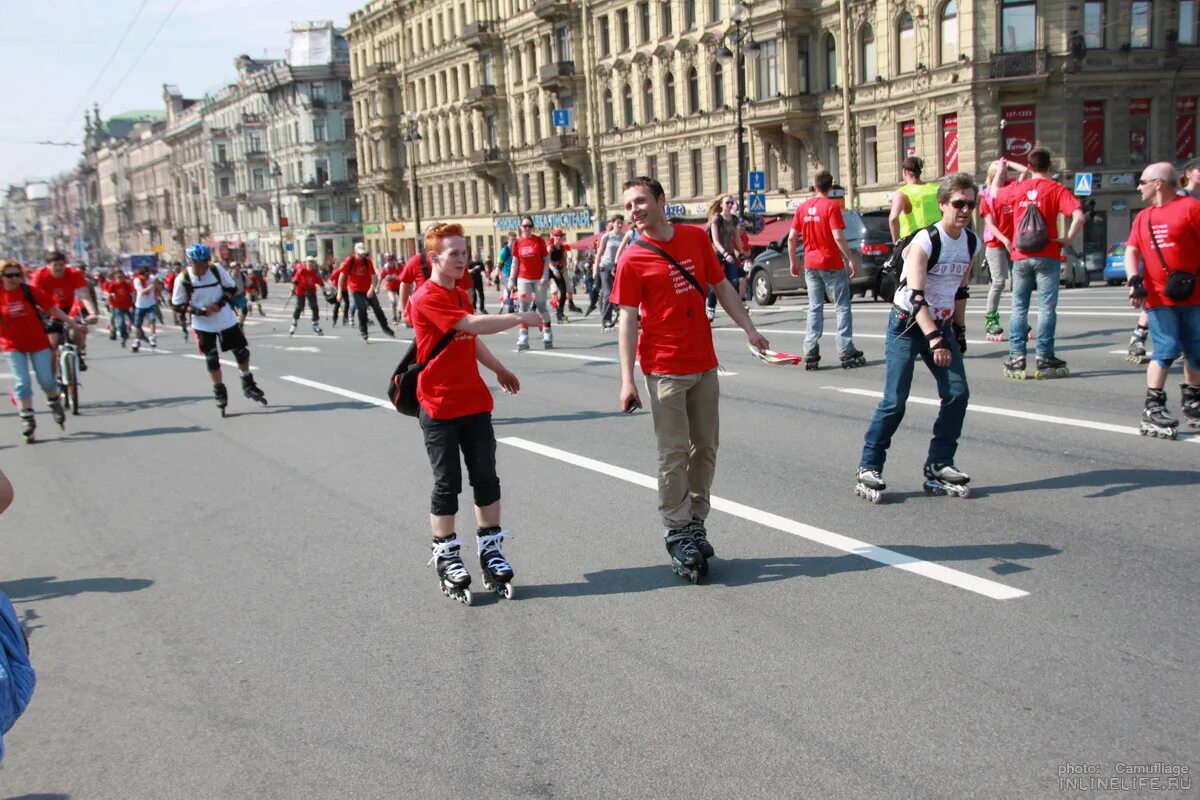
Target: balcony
317	103
480	35
483	97
252	119
220	164
552	10
380	69
227	203
257	154
558	75
1027	64
218	133
259	197
489	163
563	150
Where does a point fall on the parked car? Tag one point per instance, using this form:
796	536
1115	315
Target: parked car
771	275
1074	273
1114	265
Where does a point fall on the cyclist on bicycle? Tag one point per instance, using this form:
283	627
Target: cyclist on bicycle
68	289
206	290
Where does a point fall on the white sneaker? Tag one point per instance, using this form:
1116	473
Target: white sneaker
548	340
292	329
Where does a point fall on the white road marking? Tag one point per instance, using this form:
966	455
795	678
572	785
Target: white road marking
285	348
325	387
837	541
300	336
1125	352
4	375
1026	415
223	361
552	354
857	335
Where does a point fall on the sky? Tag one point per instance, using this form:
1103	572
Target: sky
63	55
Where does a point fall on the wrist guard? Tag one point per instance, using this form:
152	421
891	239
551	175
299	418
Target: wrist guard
941	341
1136	287
963	293
960	335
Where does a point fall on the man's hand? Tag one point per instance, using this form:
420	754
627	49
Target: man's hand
758	341
795	268
531	318
852	268
629	398
941	355
508	381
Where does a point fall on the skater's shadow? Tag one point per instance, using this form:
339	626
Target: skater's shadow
1101	373
750	571
1108	482
106	407
577	416
51	588
343	405
40	796
96	436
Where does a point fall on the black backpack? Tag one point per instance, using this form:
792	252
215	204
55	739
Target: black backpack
402	388
895	263
1032	232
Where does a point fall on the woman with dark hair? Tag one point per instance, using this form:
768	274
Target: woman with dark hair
723	230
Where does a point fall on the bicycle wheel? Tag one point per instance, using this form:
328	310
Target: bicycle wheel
71	378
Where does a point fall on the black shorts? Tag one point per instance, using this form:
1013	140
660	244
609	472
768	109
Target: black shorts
231	338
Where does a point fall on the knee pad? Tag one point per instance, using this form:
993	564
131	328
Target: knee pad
242	354
212	359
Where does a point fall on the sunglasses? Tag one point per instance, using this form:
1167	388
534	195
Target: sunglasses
13	275
959	205
1144	181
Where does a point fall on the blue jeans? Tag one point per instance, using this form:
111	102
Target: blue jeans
902	349
837	281
1175	332
122	322
43	366
1026	272
732	273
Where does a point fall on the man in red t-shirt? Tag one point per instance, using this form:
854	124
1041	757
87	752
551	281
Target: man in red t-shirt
389	281
305	281
340	297
666	274
119	290
1165	237
359	279
1040	266
456	410
415	272
24	341
997	236
530	281
829	265
68	289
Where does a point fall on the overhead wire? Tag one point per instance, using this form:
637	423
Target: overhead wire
143	52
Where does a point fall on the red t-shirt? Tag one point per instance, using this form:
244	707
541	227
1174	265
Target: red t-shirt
531	258
305	280
1177	231
816	219
1051	199
1002	218
360	273
450	386
169	281
120	294
391	276
60	290
676	337
336	275
22	331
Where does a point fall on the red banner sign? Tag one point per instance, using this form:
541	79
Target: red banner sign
1093	133
1019	132
1185	128
950	143
1141	106
908	137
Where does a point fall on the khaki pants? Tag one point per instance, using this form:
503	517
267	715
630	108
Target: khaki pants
686	425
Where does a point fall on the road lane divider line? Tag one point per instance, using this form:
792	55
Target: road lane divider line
301	336
226	362
1009	412
837	541
325	387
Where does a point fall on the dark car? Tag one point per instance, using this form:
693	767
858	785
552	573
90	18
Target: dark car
771	273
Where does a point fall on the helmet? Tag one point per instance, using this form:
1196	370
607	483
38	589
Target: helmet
199	252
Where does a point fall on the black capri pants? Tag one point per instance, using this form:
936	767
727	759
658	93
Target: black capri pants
311	298
474	437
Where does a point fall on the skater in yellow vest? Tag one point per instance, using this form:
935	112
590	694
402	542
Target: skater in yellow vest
915	205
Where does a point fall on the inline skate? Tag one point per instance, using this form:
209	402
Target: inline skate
687	560
221	395
991	327
1014	367
1155	419
28	425
946	479
700	537
851	359
812	359
452	573
292	329
251	390
1137	346
497	572
1049	367
1191	404
523	340
317	329
869	485
547	339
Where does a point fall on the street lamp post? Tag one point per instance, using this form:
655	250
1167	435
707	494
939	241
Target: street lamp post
744	47
411	137
277	175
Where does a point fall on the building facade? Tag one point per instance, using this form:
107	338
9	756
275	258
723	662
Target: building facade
472	92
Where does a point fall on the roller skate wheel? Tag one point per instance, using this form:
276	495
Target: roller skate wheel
508	591
465	597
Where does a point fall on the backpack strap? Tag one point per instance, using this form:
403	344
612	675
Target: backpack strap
935	244
690	277
444	342
426	270
25	290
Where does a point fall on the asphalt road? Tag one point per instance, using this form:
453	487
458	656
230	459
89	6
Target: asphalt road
240	607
